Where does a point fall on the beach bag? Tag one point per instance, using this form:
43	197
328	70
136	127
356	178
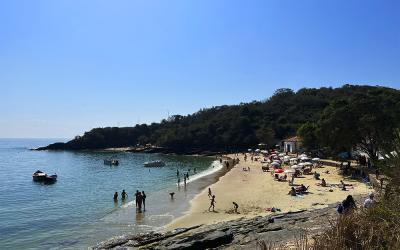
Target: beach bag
340	208
273	209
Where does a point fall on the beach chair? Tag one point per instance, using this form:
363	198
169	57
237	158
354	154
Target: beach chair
368	184
291	181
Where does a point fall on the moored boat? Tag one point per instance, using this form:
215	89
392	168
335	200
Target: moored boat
41	176
111	162
154	163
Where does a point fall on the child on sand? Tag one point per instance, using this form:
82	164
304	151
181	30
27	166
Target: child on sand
209	192
235	206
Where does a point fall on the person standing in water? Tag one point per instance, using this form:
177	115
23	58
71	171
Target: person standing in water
144	200
184	179
177	172
179	180
123	194
137	198
116	195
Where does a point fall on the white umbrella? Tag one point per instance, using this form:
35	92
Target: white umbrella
250	149
286	157
316	159
302	164
304	158
295	166
288	172
257	150
307	163
276	160
275	163
293	159
303	155
281	154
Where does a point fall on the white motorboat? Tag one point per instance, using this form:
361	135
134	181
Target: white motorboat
41	176
154	163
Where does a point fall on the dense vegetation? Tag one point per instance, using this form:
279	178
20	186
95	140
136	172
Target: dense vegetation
236	126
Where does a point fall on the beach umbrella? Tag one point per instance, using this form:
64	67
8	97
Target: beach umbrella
250	149
303	155
295	166
276	160
293	159
286	157
257	150
278	171
275	163
302	164
315	159
281	154
288	171
304	158
307	163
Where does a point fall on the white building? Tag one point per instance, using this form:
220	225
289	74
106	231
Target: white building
291	145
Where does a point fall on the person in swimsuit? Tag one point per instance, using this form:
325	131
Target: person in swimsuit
235	206
209	192
144	200
212	203
116	195
123	194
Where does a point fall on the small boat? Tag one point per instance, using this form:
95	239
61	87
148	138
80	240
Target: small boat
41	176
154	163
111	162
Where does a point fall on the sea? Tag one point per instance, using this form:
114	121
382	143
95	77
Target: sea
78	210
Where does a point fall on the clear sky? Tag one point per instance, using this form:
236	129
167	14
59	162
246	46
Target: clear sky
67	66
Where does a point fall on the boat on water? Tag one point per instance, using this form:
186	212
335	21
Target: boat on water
154	163
111	162
41	176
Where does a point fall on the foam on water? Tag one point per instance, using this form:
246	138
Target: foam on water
214	167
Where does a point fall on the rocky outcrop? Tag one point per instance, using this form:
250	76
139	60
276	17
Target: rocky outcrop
236	234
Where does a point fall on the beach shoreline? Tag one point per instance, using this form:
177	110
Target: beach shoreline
255	191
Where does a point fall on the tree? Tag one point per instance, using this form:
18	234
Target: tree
267	136
307	136
363	120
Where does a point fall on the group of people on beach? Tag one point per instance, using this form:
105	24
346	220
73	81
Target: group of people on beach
210	195
185	176
140	198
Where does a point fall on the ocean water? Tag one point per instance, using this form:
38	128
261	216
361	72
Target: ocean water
78	210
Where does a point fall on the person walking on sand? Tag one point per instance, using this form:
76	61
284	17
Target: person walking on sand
144	200
123	194
212	203
209	192
235	207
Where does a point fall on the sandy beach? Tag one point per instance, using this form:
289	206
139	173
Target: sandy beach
255	191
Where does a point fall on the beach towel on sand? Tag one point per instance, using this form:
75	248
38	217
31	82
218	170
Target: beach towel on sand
325	190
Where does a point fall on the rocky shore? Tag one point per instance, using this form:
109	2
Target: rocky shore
276	228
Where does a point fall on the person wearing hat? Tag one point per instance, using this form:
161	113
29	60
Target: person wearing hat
369	201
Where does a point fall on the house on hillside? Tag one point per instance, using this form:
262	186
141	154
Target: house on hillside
292	145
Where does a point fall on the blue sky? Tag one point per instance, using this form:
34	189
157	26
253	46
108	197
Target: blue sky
67	66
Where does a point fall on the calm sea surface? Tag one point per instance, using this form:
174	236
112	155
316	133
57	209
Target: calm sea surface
78	210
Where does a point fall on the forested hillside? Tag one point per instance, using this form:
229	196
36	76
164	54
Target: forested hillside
237	126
